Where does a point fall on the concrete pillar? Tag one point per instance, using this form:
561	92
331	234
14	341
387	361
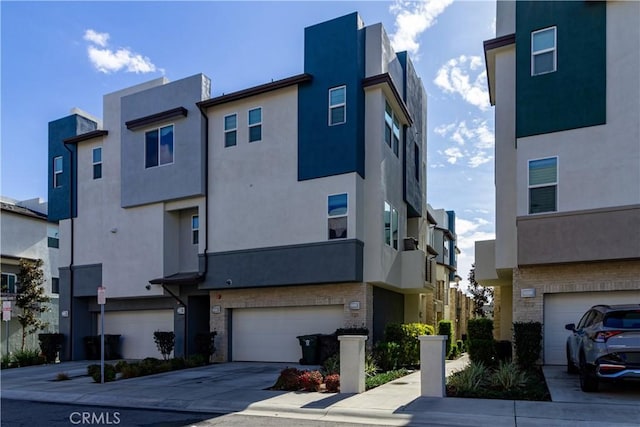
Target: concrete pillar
352	363
432	360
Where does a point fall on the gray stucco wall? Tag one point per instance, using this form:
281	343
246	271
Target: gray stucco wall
326	262
184	177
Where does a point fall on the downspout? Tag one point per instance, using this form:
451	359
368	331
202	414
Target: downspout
71	259
206	191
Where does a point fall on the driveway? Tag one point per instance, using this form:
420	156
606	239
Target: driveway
565	387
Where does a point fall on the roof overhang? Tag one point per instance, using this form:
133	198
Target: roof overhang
491	48
192	278
385	82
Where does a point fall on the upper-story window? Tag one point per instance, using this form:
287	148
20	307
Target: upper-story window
195	229
543	51
543	183
97	162
391	129
337	105
416	161
337	209
255	124
390	226
230	130
8	283
159	146
57	171
55	285
53	239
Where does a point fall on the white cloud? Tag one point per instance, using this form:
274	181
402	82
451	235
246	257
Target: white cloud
453	154
477	135
478	159
412	19
100	39
465	76
107	60
467	233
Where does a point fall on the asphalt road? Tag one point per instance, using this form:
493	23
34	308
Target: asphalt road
21	413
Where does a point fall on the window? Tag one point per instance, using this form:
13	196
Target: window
53	240
159	146
255	124
543	51
337	208
391	129
55	285
8	283
416	161
57	171
390	226
230	130
543	180
195	227
97	163
337	105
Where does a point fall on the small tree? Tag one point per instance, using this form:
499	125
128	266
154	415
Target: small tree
165	342
31	298
480	294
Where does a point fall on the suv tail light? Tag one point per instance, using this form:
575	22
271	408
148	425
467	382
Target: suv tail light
607	369
603	336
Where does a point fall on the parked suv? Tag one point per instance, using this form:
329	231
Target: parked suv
605	345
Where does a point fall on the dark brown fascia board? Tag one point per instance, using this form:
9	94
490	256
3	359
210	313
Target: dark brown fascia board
155	118
385	78
490	45
256	90
85	136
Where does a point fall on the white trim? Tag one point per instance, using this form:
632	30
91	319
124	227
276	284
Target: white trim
249	125
342	104
173	143
93	163
15	282
57	184
549	184
554	49
225	130
344	215
195	229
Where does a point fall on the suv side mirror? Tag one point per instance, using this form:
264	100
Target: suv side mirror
570	327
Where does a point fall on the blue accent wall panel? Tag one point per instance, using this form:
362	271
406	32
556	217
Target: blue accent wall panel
59	198
334	55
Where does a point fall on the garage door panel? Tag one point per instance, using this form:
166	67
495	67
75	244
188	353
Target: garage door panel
269	334
563	308
136	329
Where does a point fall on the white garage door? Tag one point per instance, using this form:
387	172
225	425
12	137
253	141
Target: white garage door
137	328
560	309
269	334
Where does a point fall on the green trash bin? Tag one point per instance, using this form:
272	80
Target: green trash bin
309	344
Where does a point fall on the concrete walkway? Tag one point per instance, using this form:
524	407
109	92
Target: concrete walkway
242	388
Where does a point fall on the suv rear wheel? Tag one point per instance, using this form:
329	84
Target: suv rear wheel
588	380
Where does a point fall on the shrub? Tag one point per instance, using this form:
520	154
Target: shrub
148	366
196	360
165	341
62	376
310	380
120	364
131	370
481	328
332	383
370	366
503	351
528	338
472	378
27	358
50	345
383	378
460	344
289	379
331	365
482	351
178	363
406	336
205	344
6	362
109	372
387	355
508	376
445	327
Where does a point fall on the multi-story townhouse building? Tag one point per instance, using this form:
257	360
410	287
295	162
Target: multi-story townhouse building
563	77
285	209
27	233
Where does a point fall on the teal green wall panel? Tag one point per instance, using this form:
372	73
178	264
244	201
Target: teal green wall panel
573	96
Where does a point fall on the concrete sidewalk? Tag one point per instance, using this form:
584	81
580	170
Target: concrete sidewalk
242	388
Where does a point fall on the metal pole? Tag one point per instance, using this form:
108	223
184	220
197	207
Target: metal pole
102	343
7	335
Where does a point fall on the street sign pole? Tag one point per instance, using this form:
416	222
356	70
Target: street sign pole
6	316
102	299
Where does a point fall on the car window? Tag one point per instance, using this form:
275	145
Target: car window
597	318
584	319
626	319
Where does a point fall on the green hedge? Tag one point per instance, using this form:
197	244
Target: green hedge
480	329
445	327
407	351
528	342
481	345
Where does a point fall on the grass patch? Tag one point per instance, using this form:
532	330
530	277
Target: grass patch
384	377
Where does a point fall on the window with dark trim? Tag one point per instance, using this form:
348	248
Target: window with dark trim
57	171
159	146
230	130
390	225
53	240
391	129
97	162
337	210
195	229
543	51
55	285
337	105
543	183
255	124
8	283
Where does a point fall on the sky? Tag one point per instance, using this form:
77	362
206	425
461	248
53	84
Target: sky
59	55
